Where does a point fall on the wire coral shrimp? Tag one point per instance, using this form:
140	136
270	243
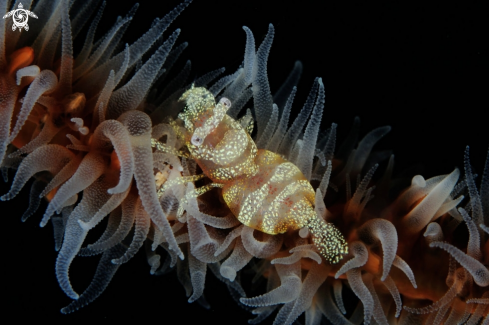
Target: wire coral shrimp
263	190
129	155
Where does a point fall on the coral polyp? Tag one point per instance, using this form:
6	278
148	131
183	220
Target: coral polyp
129	155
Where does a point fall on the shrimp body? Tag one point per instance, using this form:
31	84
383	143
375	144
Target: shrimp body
263	190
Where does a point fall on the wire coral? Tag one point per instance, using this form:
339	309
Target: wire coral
88	143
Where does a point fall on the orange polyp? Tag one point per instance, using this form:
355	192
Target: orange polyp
74	102
20	59
51	194
115	163
60	137
373	265
90	139
25	136
306	264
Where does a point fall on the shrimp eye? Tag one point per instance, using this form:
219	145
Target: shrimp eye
196	140
226	102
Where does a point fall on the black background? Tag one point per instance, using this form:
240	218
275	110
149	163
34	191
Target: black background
421	68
